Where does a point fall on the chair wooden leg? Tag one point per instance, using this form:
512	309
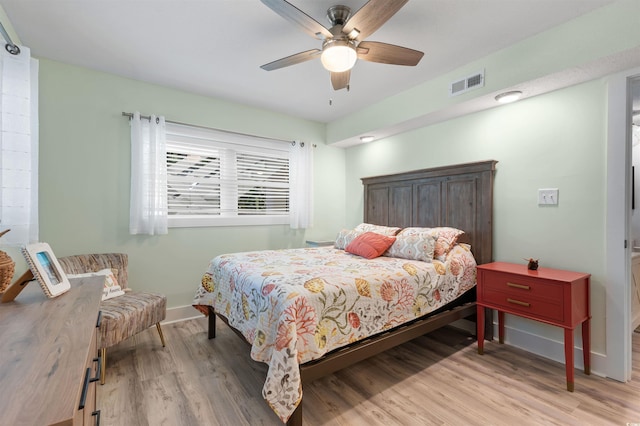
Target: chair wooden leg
160	333
103	364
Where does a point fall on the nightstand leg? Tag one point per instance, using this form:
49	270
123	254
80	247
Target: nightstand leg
586	345
568	357
480	328
501	326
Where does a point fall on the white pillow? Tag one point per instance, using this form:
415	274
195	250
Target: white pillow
345	237
111	287
389	231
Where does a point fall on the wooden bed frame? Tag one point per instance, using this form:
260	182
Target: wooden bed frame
460	196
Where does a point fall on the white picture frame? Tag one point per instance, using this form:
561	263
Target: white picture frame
46	269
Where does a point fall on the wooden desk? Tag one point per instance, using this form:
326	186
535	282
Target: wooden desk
552	296
48	351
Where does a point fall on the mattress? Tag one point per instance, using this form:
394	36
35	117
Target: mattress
296	305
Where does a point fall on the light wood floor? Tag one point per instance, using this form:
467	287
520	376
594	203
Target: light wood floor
438	379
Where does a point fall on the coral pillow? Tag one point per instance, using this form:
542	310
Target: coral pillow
370	245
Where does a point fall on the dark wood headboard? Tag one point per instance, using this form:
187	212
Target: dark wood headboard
460	196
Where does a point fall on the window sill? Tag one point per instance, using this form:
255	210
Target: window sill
195	222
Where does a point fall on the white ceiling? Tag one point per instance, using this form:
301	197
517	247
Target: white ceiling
215	47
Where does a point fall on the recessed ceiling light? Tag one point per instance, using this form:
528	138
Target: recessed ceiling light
506	97
366	138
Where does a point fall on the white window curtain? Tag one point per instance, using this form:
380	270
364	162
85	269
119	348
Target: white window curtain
301	178
148	208
18	147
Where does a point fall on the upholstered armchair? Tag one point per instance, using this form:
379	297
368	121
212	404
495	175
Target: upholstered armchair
122	316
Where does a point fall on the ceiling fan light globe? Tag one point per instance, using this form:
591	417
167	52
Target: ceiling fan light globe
338	56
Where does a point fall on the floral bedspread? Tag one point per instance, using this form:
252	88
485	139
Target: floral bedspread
296	305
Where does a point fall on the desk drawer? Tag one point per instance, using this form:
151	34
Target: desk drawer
527	306
518	286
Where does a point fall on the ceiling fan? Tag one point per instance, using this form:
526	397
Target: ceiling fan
343	44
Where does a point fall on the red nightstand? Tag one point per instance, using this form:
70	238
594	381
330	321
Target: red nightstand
553	296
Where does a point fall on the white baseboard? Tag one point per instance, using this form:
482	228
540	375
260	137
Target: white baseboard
551	349
181	313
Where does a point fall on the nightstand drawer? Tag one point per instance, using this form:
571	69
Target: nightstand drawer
522	286
525	305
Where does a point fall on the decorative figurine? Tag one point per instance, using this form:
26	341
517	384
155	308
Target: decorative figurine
533	264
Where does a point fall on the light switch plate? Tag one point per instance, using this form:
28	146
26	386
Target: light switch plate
548	196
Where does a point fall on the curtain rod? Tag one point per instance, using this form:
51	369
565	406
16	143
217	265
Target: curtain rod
146	117
10	46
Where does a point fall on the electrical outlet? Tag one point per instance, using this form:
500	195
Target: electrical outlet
548	196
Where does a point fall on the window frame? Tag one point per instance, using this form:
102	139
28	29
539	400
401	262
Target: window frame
205	138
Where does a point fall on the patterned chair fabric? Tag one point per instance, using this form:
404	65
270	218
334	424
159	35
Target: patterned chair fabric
122	316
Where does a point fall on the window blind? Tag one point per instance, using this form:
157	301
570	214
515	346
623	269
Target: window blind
218	178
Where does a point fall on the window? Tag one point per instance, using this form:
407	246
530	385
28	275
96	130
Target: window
19	147
220	178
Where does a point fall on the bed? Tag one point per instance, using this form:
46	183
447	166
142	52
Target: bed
309	312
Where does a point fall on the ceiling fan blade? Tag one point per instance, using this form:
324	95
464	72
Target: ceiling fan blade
298	17
340	80
374	51
370	17
292	60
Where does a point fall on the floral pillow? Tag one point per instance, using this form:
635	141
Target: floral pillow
345	237
389	231
447	238
413	247
370	245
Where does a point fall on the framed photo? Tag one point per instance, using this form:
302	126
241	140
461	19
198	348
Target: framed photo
46	269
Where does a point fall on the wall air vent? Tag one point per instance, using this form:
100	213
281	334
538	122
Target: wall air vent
473	81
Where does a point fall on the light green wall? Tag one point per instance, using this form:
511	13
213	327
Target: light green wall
85	169
551	141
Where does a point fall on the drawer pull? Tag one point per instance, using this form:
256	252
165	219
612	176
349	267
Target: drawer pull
85	389
99	321
517	302
97	416
99	361
523	287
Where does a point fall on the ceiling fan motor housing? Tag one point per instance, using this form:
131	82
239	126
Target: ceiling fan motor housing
338	15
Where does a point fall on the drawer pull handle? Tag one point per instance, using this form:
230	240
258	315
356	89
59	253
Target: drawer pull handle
517	302
98	369
85	388
96	414
99	321
524	287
